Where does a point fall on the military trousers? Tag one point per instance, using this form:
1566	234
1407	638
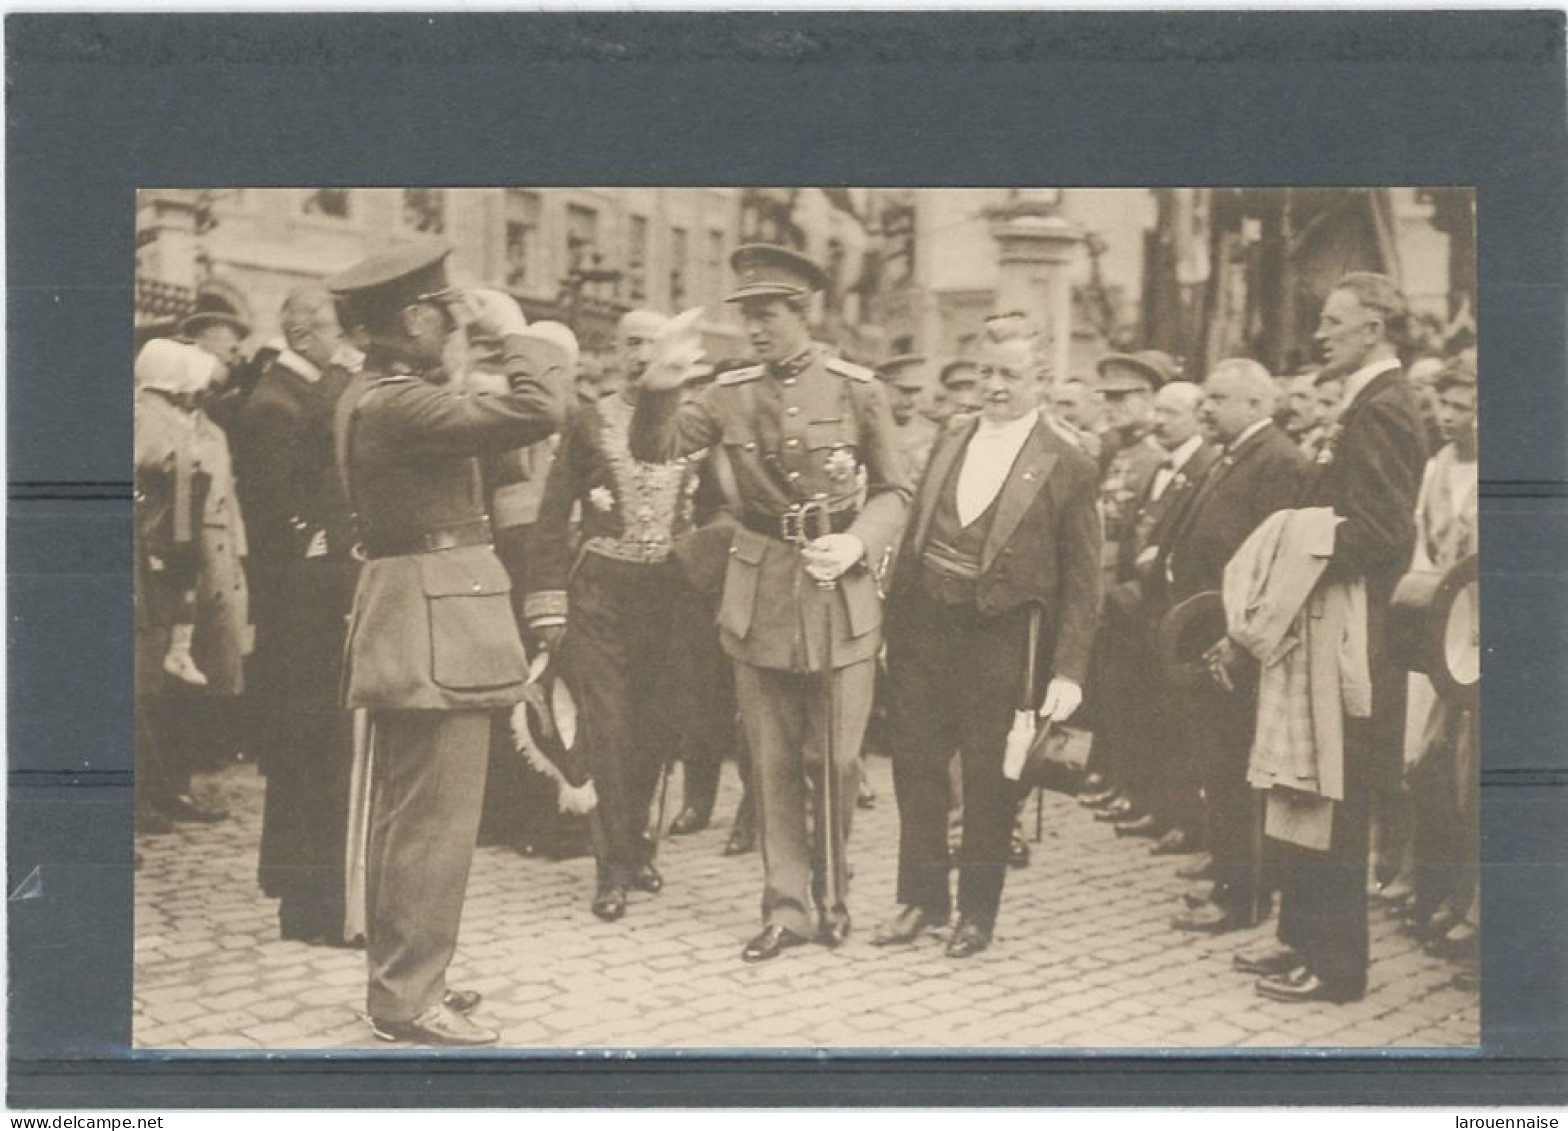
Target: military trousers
785	717
955	677
619	659
427	789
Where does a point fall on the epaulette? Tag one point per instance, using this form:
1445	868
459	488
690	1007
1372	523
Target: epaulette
849	369
743	374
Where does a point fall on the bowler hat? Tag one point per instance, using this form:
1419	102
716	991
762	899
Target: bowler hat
204	320
1132	372
388	282
1186	633
766	270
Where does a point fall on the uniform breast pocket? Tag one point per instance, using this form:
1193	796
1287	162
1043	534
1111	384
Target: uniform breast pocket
740	582
473	638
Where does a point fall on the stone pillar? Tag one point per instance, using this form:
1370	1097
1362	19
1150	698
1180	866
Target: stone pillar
1035	248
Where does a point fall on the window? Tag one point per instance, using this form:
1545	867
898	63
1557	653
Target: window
637	258
522	238
713	266
424	210
582	237
332	203
680	251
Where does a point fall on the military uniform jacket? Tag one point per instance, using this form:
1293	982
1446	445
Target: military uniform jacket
1127	480
434	630
814	428
1043	547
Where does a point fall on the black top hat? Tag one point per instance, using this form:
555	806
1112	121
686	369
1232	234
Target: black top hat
1186	633
766	270
384	283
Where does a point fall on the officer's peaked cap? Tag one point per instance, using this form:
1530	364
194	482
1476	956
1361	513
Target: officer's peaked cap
390	281
765	270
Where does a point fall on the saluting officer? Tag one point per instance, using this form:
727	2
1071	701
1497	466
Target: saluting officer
823	493
433	647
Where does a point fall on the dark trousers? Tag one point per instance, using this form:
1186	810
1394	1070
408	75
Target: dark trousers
955	678
1444	850
705	699
1222	724
1174	773
1129	720
786	719
427	786
1323	895
617	655
304	822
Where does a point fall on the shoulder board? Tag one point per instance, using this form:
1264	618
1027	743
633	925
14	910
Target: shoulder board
849	369
390	378
737	376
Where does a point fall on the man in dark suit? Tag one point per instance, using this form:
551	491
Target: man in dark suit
1005	521
1159	782
1369	472
1258	472
301	574
433	647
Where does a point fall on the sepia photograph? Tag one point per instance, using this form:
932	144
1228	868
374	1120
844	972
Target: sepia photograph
806	618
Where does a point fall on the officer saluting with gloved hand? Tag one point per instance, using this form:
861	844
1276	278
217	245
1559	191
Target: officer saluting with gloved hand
433	647
823	494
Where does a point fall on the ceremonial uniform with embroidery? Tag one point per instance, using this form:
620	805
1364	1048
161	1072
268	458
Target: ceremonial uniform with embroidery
811	430
619	593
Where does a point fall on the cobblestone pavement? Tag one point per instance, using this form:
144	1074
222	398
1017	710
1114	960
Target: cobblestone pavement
1083	957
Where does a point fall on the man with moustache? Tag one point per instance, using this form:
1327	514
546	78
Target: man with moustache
302	573
1005	522
1257	473
432	648
1160	781
823	494
1369	472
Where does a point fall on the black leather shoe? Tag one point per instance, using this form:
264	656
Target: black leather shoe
1198	895
1094	783
1200	869
1119	810
688	821
1175	842
437	1025
1145	825
648	879
772	942
1098	799
610	903
1018	850
742	839
968	940
462	1001
907	926
187	808
1209	920
834	932
1299	984
1275	958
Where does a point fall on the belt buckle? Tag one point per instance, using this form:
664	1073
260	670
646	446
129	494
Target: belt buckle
814	517
792	525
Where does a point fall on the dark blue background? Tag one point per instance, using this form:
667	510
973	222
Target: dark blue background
98	106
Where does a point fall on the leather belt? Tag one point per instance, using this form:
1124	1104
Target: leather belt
803	522
475	533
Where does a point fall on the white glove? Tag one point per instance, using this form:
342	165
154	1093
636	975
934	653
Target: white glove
1062	698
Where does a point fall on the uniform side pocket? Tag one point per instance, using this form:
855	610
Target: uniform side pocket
740	582
473	639
862	605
